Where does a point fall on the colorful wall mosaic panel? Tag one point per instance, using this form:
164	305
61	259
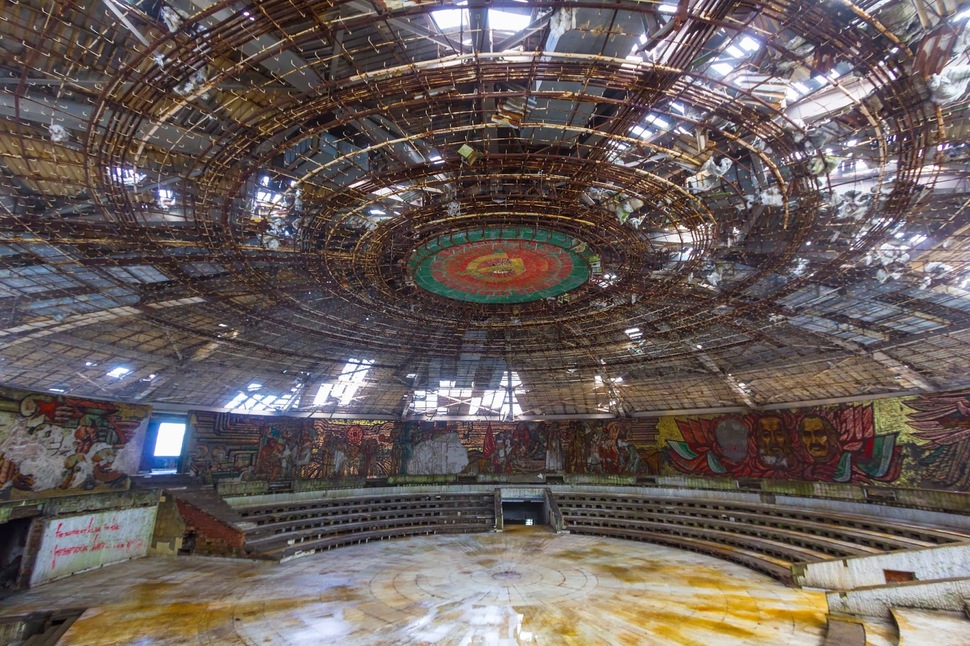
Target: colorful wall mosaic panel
52	444
915	441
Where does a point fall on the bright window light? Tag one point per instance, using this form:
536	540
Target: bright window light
450	19
391	193
491	402
640	131
166	198
350	380
507	20
119	372
235	401
127	176
168	443
606	280
269	197
259	403
750	44
722	68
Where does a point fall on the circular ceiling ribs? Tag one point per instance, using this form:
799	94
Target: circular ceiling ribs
276	164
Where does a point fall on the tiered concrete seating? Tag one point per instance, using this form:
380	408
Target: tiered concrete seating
768	538
287	528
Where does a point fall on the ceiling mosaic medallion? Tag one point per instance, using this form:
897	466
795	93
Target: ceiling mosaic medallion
501	265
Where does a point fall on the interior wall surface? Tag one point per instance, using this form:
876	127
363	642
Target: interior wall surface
53	444
77	543
927	564
921	441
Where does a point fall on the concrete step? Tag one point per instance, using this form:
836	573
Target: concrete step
878	600
207	500
845	632
937	627
880	631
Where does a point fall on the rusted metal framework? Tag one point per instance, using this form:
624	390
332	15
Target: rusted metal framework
215	202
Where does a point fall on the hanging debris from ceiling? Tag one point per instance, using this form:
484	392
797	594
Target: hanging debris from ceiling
709	175
469	154
950	84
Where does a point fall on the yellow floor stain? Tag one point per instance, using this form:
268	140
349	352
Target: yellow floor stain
511	587
172	620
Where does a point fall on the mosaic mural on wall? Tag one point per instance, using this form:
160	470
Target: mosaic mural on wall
919	441
51	444
941	423
250	447
827	444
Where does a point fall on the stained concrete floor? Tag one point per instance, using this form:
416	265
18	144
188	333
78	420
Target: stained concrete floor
939	628
520	586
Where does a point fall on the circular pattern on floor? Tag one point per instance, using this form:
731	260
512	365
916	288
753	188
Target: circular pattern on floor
521	586
503	572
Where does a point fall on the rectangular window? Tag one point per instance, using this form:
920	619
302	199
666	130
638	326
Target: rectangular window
168	444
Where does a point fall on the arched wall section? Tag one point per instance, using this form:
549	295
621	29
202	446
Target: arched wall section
921	441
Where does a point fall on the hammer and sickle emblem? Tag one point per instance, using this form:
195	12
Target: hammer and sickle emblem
495	267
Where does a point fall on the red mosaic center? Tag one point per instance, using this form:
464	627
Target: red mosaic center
509	265
505	267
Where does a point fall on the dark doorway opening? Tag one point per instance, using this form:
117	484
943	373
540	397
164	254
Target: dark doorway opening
13	541
523	513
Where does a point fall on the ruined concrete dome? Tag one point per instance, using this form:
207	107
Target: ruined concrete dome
241	204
